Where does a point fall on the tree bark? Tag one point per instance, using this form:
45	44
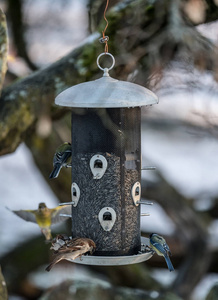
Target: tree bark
15	13
3	288
213	294
4	48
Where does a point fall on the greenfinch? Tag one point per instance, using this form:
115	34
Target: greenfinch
45	217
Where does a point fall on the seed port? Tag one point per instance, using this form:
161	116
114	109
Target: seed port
107	216
98	164
74	192
137	191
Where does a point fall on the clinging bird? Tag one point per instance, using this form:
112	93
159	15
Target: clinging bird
71	249
45	217
159	245
62	158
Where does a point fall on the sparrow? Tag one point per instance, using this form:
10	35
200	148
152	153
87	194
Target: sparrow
72	249
45	217
62	158
159	245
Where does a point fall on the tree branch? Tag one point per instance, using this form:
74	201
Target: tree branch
143	42
191	232
22	103
3	289
4	48
15	13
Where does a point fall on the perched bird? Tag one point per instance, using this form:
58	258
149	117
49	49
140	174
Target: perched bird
159	245
72	249
45	217
62	158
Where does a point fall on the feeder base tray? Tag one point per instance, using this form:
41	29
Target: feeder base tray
117	260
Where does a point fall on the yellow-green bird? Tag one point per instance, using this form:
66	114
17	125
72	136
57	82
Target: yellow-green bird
62	158
45	217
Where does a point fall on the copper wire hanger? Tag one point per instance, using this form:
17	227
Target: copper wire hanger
104	39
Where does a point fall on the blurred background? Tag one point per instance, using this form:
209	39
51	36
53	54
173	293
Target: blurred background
167	46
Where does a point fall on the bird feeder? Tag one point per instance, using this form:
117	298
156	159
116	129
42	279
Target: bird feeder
106	166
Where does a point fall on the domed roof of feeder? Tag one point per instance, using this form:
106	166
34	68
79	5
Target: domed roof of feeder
106	92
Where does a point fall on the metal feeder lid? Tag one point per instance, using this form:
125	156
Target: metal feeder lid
106	92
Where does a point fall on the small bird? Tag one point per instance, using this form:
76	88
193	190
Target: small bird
45	217
72	249
62	158
159	245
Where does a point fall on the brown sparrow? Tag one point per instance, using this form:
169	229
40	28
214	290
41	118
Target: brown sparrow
72	249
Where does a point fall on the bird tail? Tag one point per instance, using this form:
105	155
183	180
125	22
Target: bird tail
55	171
169	263
51	265
68	256
47	233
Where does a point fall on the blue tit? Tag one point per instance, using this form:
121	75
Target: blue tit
159	245
62	158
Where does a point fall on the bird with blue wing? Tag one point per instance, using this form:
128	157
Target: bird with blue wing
45	217
159	245
62	158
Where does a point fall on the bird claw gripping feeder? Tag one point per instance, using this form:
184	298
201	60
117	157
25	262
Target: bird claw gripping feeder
106	166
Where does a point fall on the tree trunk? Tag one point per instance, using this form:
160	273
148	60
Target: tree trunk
3	289
4	48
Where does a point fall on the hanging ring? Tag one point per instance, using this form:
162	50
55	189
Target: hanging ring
113	61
